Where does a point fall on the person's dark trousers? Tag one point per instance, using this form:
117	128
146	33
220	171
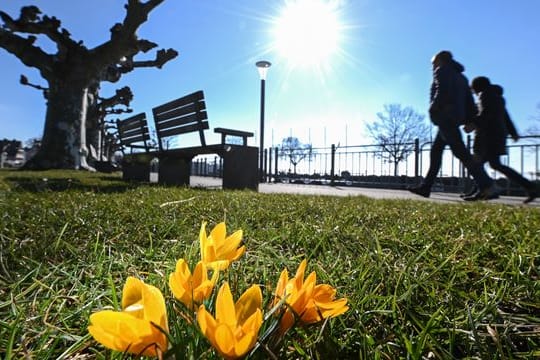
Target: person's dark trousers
511	174
450	135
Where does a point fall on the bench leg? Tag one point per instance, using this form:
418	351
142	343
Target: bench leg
240	169
174	171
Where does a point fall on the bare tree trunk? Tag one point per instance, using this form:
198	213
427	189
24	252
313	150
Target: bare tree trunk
61	141
93	131
83	149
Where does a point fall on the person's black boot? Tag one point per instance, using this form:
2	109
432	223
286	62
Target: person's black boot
471	192
532	194
421	190
489	193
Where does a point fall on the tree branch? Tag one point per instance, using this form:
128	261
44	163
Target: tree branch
24	81
117	53
162	57
137	13
24	49
30	22
123	96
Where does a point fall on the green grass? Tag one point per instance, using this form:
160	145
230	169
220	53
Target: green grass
424	280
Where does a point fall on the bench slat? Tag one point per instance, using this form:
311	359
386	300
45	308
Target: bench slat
185	120
233	132
194	108
194	151
132	126
134	139
141	129
138	146
133	130
194	97
184	129
136	119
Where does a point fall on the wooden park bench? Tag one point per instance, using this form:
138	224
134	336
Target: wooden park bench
133	134
187	115
174	121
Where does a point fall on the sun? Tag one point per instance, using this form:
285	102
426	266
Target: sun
307	32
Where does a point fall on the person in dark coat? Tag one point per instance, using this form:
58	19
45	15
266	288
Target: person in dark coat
452	105
492	126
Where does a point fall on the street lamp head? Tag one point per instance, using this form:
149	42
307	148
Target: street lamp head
263	66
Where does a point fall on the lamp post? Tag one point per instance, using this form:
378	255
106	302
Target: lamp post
262	67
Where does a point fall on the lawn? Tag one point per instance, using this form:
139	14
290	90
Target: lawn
423	280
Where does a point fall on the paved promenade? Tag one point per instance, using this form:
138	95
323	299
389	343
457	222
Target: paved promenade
356	191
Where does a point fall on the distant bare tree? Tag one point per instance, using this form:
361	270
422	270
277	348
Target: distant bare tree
395	131
292	149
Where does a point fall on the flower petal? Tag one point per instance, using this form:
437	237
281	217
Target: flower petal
225	309
248	303
203	241
245	343
154	306
238	253
180	282
280	287
218	233
299	276
120	331
200	274
206	321
229	245
218	265
253	323
333	309
225	341
132	292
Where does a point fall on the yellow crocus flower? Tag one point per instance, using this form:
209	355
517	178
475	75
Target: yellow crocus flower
135	328
191	289
234	330
218	250
307	302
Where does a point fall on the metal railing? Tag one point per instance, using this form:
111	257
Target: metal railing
368	165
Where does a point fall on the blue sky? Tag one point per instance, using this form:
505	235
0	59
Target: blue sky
382	54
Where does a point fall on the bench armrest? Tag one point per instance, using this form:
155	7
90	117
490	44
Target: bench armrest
224	132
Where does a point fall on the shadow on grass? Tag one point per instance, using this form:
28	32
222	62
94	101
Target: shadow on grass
104	185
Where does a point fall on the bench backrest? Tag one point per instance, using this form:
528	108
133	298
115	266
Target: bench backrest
181	116
133	132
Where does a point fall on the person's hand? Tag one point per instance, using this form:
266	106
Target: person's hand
468	128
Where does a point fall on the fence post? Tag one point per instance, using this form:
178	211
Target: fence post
269	164
332	164
416	157
265	166
276	163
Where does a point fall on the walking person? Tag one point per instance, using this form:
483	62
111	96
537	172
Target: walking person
492	126
452	105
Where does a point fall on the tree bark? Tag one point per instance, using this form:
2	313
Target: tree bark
61	142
